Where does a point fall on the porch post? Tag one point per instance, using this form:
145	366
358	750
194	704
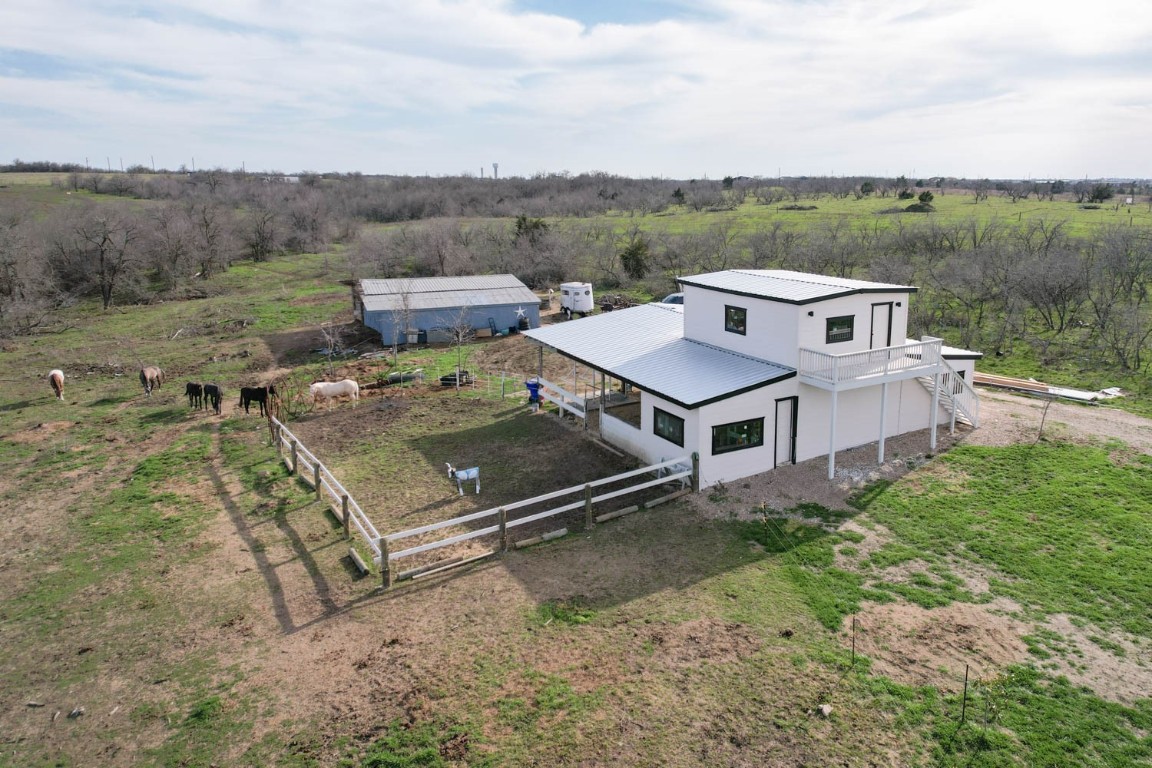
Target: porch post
603	402
883	418
540	365
832	439
935	409
951	378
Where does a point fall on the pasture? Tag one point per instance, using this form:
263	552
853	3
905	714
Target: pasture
170	596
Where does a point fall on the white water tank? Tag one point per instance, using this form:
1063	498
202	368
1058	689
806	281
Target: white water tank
576	299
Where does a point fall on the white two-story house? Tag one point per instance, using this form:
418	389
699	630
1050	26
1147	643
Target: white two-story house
761	368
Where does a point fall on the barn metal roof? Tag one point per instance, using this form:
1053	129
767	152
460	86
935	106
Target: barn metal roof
645	346
422	293
413	285
787	286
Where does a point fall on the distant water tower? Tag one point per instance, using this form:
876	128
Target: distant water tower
495	170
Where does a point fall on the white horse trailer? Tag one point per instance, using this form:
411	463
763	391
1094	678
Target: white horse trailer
576	299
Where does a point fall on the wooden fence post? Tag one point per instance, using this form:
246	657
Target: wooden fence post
695	472
293	457
588	520
503	513
385	566
344	516
316	478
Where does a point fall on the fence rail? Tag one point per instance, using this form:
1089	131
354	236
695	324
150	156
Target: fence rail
903	361
685	469
304	463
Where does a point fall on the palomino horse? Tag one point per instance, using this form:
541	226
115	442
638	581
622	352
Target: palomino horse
213	394
257	395
56	379
327	390
151	378
195	393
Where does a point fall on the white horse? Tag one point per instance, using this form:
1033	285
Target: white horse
460	475
56	379
326	390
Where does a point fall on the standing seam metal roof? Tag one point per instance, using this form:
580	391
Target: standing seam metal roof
490	297
787	286
413	285
645	346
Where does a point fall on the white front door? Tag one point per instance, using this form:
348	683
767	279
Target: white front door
786	431
881	326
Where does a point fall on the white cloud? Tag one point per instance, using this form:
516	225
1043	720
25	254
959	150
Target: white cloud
950	87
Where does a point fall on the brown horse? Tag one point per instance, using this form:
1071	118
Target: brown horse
56	379
151	378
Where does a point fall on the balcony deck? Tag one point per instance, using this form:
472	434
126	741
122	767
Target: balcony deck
874	366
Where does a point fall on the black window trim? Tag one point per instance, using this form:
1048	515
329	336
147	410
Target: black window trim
732	329
655	422
851	329
731	448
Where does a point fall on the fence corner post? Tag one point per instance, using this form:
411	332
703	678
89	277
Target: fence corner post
589	521
695	472
385	565
503	513
293	457
344	517
316	478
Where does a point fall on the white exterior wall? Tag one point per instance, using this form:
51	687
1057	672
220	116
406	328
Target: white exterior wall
645	443
813	331
734	465
858	423
858	416
771	330
777	330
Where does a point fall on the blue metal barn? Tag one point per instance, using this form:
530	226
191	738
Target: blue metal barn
429	308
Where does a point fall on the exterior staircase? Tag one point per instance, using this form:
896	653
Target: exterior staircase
956	394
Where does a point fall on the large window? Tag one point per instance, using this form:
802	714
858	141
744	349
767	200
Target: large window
668	426
736	320
738	435
840	328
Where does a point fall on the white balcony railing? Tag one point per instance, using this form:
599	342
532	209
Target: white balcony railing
874	366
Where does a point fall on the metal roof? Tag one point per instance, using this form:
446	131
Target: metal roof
645	346
411	285
787	286
419	293
451	299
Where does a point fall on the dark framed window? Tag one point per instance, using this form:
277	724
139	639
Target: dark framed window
736	320
840	328
738	435
668	426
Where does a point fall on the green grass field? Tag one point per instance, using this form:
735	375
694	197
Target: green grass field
163	572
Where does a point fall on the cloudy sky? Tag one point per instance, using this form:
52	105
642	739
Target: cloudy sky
669	88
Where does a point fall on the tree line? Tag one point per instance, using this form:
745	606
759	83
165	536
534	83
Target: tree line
985	284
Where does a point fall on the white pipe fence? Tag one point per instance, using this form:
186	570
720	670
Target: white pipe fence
304	463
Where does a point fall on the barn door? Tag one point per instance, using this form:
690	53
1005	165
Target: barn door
786	431
881	326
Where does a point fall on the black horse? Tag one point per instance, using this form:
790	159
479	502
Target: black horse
213	394
258	395
195	393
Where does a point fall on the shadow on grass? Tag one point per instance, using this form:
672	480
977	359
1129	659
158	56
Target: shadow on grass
22	404
302	553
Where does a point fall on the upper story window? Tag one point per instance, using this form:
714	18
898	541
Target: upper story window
736	320
840	329
668	426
